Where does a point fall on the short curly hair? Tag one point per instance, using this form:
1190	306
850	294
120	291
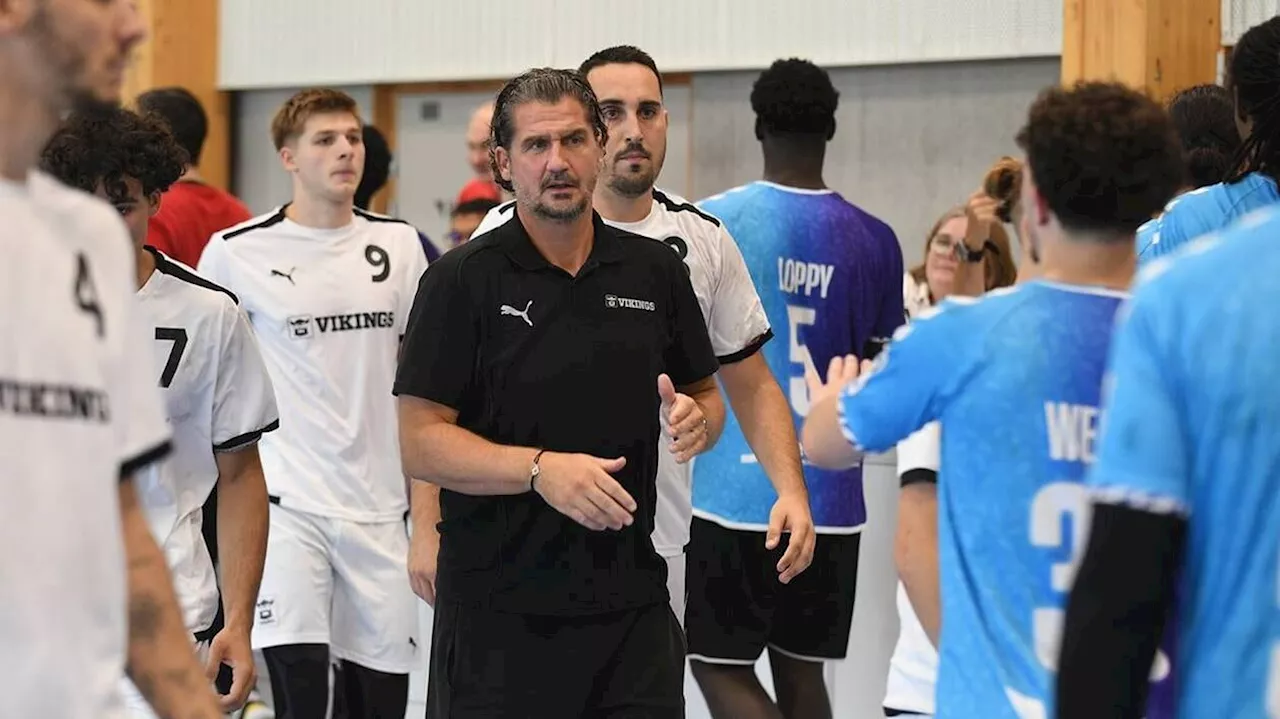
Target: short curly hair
795	97
109	144
1105	158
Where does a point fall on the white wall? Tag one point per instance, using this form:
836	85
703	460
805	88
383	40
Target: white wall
1240	15
291	42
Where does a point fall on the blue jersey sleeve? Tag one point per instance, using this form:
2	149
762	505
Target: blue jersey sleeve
906	387
1143	451
1186	218
1142	241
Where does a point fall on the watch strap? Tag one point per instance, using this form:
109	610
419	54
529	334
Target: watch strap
535	470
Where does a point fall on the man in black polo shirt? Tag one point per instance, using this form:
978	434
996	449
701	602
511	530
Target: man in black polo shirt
536	361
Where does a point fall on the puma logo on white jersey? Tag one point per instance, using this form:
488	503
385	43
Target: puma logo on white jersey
523	314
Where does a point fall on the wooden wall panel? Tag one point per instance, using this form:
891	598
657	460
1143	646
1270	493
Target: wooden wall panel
182	49
1158	46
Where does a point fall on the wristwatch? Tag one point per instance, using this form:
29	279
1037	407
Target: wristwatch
968	255
535	470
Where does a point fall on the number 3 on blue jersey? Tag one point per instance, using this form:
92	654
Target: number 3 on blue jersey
1052	507
797	317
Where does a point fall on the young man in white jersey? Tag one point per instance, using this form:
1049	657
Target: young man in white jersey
328	288
86	594
216	390
629	87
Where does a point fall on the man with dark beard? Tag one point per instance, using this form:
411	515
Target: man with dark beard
86	593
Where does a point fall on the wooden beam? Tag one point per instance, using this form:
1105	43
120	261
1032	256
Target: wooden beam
385	117
182	50
1157	46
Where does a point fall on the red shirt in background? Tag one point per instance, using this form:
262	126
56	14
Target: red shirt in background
190	212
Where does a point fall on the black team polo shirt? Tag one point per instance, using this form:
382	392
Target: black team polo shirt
532	356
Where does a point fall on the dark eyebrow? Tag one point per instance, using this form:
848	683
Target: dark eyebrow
528	141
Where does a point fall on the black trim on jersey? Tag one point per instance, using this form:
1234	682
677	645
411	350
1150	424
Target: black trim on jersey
919	475
272	220
166	266
142	459
378	218
508	205
1117	612
674	206
246	439
219	621
752	347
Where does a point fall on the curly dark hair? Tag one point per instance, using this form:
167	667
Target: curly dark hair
1104	157
544	84
106	145
795	97
1205	120
1254	76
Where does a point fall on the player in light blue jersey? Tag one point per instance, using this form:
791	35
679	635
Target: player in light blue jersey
1254	80
1205	117
1015	379
1186	491
830	278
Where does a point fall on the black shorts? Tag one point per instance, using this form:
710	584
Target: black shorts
490	665
737	606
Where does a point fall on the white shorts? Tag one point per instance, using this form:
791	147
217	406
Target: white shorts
676	586
136	707
341	583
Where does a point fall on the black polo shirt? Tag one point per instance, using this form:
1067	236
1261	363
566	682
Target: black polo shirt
532	356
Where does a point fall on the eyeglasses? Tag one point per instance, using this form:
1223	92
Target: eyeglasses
945	246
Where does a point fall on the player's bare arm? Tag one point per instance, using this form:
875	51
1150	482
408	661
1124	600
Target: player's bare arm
434	448
242	546
694	416
424	545
160	659
915	553
765	417
824	444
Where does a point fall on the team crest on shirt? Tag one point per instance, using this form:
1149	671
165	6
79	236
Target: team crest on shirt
266	612
299	326
615	302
